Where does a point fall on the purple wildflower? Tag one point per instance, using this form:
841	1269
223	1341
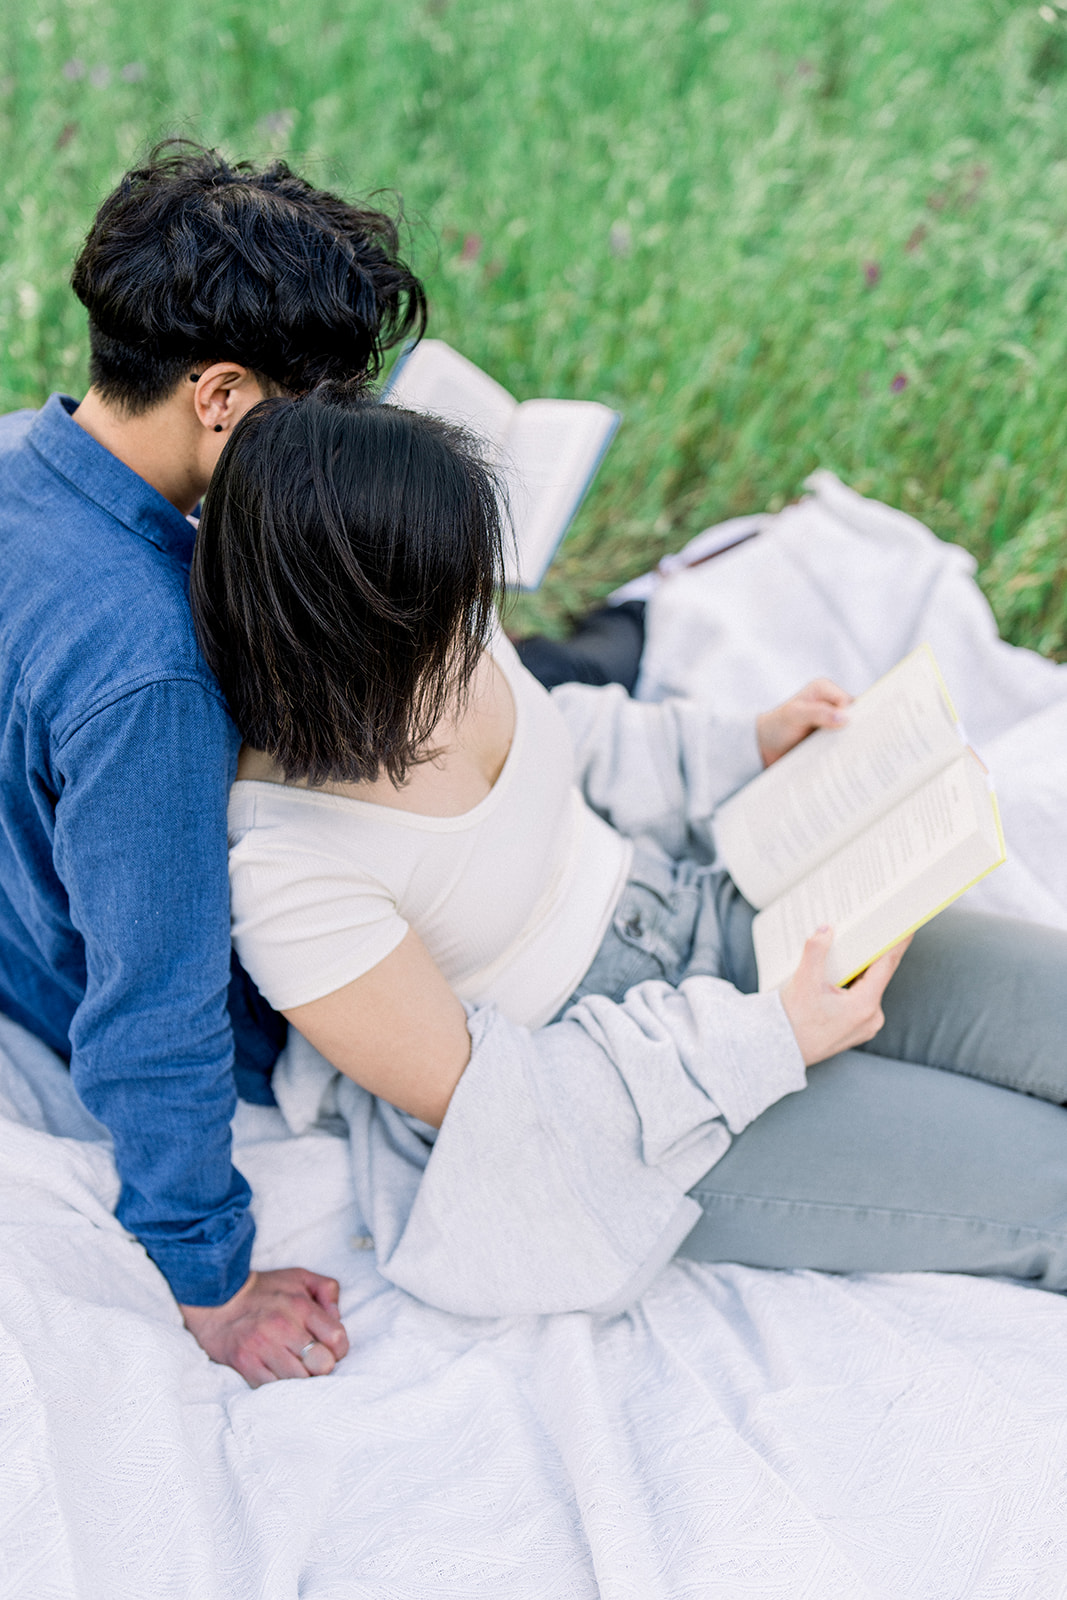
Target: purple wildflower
278	124
620	239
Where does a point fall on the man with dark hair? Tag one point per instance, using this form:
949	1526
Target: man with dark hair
208	286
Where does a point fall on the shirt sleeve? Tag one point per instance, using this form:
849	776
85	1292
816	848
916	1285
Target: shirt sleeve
306	920
140	845
657	770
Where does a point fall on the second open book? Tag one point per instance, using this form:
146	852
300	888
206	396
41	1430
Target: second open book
872	828
546	451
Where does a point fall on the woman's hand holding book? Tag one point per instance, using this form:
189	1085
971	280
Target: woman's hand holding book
825	1018
872	827
820	704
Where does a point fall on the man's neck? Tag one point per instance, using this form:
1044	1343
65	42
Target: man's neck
159	444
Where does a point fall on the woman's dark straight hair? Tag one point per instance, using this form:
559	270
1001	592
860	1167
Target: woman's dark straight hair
344	579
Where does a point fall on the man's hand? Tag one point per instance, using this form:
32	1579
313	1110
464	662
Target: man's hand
819	704
271	1318
827	1019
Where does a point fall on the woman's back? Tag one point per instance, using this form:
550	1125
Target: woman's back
510	894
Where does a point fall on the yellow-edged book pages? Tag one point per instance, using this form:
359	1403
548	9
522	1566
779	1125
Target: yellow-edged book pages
873	828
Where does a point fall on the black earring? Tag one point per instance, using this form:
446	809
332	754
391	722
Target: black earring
218	427
194	377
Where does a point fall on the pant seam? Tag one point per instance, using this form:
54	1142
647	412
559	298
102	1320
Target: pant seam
1050	1094
703	1196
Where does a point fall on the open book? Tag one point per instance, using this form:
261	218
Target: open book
546	451
872	828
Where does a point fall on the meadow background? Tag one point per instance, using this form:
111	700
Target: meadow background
776	234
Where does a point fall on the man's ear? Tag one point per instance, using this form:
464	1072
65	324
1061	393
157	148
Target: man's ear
223	393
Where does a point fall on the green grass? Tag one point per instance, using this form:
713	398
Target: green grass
743	222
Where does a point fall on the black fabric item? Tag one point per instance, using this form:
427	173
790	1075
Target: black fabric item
605	648
258	1036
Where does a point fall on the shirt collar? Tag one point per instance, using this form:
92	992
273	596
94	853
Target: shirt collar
97	475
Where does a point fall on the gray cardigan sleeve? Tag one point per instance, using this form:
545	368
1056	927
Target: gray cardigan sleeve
657	770
558	1179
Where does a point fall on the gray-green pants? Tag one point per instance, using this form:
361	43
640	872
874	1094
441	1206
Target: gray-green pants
940	1146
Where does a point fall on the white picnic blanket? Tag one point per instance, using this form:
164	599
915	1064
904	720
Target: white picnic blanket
785	1435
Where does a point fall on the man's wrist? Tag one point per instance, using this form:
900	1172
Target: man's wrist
200	1273
192	1308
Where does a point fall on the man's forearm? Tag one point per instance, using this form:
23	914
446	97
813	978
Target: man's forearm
140	846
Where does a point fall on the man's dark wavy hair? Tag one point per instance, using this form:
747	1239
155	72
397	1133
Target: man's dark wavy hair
192	260
343	580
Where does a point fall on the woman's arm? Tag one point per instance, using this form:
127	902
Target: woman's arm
656	769
398	1031
401	1033
661	769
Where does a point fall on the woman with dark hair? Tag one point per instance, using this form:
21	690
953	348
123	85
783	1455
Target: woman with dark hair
411	833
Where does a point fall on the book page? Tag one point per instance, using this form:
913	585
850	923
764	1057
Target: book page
550	455
437	380
897	874
836	782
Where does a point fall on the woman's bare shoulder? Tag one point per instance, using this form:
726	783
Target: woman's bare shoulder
466	754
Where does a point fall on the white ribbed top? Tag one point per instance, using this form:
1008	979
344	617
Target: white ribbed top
511	898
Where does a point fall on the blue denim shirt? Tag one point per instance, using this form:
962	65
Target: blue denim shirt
116	758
